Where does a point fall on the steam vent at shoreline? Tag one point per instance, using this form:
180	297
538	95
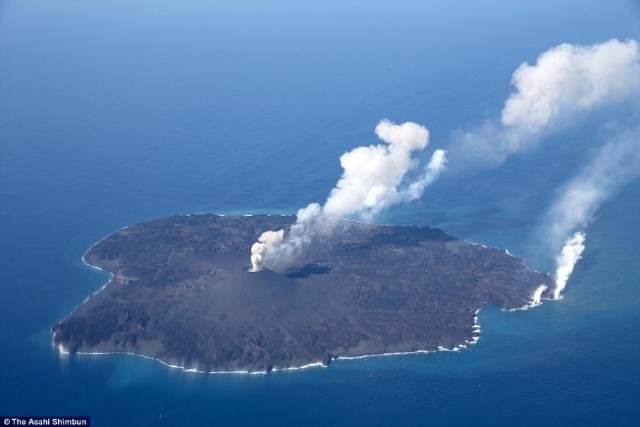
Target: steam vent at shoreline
182	292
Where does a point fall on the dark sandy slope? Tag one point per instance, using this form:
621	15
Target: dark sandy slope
181	292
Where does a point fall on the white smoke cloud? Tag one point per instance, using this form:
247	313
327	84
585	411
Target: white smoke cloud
369	183
266	242
286	250
432	171
568	79
612	166
566	261
374	178
567	82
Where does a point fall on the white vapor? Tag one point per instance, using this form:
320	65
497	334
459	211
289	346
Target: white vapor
566	261
566	82
612	166
537	295
372	175
568	79
266	242
374	178
431	173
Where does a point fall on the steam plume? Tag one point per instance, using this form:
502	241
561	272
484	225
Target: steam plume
266	242
372	175
566	261
374	178
537	295
568	79
567	82
612	166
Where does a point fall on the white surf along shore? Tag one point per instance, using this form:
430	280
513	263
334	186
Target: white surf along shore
536	300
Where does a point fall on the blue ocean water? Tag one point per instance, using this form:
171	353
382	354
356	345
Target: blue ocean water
115	112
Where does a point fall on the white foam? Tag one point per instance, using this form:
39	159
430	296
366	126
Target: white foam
506	251
474	339
96	268
64	351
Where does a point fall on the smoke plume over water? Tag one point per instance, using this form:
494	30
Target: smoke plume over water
374	178
612	166
566	85
566	261
569	81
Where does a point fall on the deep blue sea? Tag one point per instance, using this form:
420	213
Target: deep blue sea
114	112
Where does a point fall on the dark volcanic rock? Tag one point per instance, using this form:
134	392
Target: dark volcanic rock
182	292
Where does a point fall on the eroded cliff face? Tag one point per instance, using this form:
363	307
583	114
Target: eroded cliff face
182	292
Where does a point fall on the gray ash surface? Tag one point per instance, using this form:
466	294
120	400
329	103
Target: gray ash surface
182	292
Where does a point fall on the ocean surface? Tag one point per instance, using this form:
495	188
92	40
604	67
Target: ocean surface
115	112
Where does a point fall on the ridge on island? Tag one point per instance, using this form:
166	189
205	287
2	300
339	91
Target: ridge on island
181	292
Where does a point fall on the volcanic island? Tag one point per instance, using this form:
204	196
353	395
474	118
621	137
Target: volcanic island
182	292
